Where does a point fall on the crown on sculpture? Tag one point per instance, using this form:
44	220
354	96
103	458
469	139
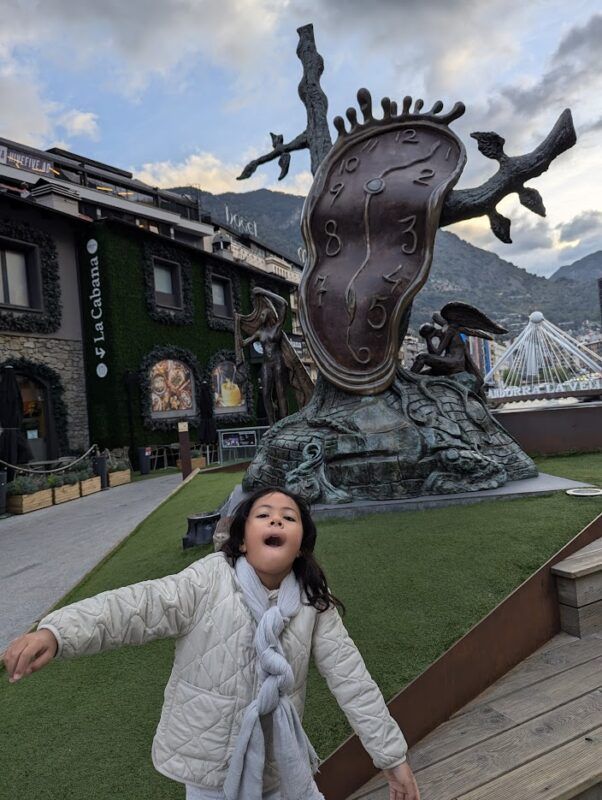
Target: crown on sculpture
364	99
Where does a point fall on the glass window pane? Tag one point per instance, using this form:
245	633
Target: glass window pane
16	269
163	280
218	290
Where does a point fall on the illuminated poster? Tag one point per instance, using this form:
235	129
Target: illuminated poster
172	390
228	393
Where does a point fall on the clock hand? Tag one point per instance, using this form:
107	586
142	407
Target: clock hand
350	295
417	160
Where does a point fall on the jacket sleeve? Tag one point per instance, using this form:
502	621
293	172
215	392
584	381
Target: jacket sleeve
340	663
155	609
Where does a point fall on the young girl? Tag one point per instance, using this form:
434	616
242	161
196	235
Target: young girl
245	620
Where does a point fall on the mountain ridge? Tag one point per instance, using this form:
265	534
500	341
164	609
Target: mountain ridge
460	271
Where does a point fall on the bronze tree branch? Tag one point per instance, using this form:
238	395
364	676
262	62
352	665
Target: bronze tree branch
513	172
316	136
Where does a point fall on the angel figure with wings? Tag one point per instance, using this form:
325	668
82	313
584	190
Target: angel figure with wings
281	366
450	354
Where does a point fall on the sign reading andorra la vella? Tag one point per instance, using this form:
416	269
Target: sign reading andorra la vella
96	311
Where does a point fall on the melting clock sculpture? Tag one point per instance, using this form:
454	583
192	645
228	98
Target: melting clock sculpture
373	430
369	224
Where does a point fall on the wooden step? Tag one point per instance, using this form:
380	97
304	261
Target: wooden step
579	585
545	709
566	773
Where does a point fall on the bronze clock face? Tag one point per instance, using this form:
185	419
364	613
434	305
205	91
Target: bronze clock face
369	223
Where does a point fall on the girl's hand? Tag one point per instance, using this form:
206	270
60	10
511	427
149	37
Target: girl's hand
29	653
402	783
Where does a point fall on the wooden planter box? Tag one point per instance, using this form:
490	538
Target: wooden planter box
90	485
62	494
24	503
197	463
117	478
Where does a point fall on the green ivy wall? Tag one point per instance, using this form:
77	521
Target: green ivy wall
130	333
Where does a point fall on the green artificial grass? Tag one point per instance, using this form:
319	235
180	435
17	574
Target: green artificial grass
413	583
584	467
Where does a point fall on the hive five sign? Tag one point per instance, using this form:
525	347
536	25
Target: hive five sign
96	313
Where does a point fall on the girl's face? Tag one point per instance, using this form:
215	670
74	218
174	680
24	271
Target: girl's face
273	534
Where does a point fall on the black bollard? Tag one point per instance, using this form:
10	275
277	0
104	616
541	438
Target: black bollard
144	457
3	475
99	465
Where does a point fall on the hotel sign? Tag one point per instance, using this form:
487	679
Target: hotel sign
241	223
95	310
22	160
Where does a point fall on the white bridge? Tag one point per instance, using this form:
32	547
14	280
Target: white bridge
544	362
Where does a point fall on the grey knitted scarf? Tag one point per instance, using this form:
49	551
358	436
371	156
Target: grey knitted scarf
295	758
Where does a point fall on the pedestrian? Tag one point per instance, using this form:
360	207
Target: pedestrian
245	620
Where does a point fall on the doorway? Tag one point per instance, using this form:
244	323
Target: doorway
35	425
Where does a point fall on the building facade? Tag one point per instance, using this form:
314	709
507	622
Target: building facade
117	305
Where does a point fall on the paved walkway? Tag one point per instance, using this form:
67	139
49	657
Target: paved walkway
45	553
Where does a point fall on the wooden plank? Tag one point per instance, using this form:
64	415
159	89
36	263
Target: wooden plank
581	621
582	563
580	591
540	666
563	774
460	733
488	760
532	701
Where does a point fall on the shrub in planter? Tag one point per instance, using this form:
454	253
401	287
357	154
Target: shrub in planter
65	486
89	483
119	473
28	493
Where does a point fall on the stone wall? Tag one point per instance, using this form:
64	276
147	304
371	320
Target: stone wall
64	357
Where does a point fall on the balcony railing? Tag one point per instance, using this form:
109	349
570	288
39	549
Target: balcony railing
270	264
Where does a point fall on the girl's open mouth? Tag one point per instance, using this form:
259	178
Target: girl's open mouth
274	540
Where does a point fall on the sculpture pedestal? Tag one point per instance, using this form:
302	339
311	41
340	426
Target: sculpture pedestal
424	435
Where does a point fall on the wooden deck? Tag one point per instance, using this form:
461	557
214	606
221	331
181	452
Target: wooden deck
535	734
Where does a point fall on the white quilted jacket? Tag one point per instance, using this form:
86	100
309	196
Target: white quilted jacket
214	675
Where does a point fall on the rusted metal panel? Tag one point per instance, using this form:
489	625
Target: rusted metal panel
560	429
520	624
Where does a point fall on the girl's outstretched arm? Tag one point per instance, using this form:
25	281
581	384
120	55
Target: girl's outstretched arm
340	663
136	614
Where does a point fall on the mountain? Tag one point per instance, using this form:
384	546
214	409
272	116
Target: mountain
460	271
586	270
277	214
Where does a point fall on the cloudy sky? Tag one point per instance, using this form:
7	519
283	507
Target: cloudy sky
186	91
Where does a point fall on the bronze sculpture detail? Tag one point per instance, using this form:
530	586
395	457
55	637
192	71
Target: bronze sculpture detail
281	365
448	352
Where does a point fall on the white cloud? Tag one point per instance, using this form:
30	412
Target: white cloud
294	184
80	123
199	169
26	117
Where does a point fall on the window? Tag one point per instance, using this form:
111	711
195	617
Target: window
172	390
221	291
19	279
167	283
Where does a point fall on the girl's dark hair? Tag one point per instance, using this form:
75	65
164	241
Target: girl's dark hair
307	570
